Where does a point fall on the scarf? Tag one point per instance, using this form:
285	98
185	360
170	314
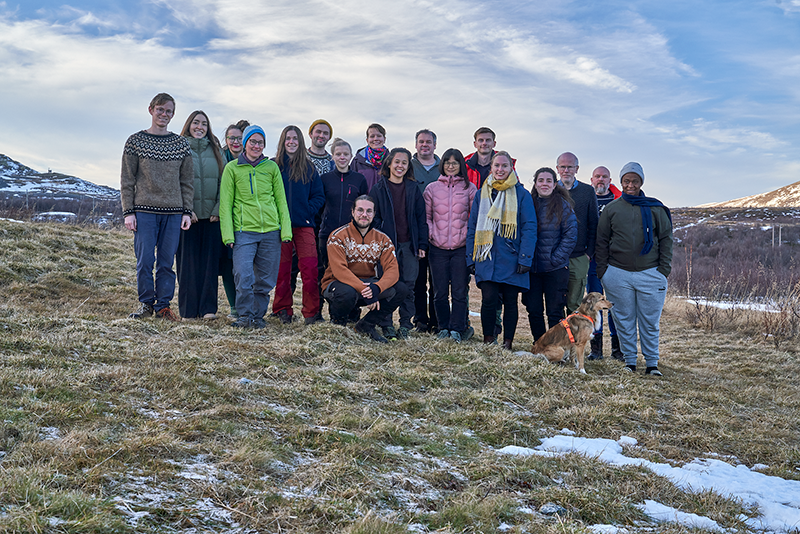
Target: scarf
498	216
376	156
645	203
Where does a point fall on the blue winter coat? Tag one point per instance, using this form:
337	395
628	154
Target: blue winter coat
305	199
415	213
555	241
506	254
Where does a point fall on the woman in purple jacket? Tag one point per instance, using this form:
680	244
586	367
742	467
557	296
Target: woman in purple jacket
305	197
447	204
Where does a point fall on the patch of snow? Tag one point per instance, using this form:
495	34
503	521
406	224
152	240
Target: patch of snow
567	432
759	467
49	433
627	441
667	514
607	529
777	499
502	527
11	220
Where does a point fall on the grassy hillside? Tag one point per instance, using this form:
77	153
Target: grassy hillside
117	425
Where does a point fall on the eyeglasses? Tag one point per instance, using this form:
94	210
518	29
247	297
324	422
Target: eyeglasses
163	111
451	163
566	167
255	143
232	138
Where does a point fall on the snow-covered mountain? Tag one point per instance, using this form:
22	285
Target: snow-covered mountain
785	197
18	179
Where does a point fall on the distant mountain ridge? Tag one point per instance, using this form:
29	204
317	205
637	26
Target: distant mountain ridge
17	179
785	197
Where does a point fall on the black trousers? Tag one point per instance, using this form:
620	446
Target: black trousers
548	293
343	299
424	307
490	304
198	269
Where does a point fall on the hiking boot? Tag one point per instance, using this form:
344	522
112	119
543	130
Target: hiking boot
443	334
145	310
340	321
629	368
313	320
597	347
467	334
258	323
455	335
616	352
402	332
388	331
507	343
168	314
284	316
370	330
243	322
490	340
653	371
421	327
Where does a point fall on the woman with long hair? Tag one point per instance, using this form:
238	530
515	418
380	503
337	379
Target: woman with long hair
557	233
233	140
199	247
369	160
447	204
400	214
501	239
305	196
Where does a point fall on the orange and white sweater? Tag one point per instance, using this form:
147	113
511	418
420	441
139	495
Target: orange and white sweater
353	257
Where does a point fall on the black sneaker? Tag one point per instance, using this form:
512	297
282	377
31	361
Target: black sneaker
145	310
467	334
259	323
402	332
421	327
388	331
629	368
340	321
653	371
284	316
243	322
313	320
371	331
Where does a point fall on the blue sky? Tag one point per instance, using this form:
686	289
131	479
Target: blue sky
703	94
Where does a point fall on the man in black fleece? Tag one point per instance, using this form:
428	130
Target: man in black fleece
585	200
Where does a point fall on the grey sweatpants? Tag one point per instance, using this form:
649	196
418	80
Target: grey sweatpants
638	299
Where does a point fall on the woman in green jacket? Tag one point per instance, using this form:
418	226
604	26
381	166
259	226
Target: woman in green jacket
199	250
254	219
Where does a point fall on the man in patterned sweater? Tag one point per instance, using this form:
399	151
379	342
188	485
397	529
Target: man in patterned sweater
157	191
362	271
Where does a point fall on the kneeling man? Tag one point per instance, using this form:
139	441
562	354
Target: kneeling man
362	271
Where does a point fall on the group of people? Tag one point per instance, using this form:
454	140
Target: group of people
388	230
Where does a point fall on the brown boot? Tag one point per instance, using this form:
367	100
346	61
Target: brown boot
490	340
507	343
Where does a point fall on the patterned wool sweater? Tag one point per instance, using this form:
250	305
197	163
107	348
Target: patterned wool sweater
157	174
353	257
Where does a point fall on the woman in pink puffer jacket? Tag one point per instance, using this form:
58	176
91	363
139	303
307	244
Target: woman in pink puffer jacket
447	204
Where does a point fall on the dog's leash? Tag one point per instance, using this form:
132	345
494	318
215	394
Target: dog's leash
565	324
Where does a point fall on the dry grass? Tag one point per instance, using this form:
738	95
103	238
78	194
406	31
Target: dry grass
116	425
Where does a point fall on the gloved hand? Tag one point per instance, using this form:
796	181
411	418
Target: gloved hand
471	269
523	269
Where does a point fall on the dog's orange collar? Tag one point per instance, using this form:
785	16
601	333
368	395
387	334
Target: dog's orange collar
565	324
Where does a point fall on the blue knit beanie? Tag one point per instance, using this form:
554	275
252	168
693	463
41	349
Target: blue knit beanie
253	129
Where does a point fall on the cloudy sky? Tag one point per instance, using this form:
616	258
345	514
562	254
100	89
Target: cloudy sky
704	94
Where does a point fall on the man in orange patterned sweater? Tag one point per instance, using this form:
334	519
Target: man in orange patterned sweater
362	271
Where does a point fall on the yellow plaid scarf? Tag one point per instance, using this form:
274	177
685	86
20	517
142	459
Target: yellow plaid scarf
498	216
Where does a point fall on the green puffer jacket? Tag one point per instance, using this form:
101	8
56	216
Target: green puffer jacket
252	199
206	178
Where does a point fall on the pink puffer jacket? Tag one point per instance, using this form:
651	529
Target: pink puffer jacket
447	205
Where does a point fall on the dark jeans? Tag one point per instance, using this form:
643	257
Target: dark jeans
593	284
424	297
155	241
490	303
226	272
343	299
552	287
409	266
450	276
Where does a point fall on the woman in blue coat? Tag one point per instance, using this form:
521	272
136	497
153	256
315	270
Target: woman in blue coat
557	233
501	239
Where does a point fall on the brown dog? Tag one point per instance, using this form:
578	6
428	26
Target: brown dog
569	336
